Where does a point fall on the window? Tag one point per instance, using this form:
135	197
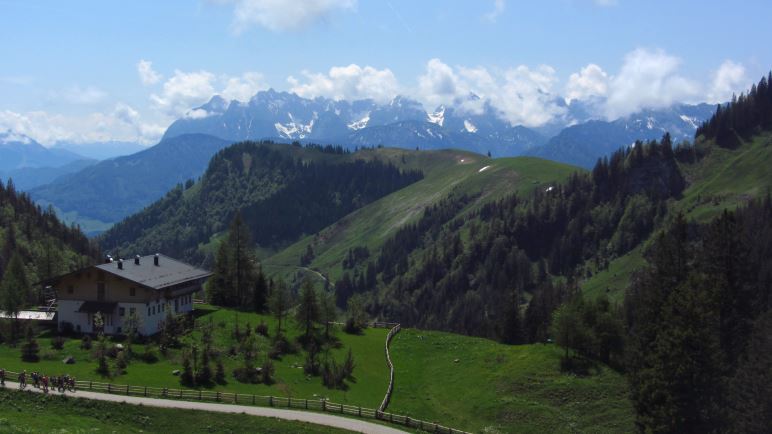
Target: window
70	289
148	311
119	330
121	311
132	291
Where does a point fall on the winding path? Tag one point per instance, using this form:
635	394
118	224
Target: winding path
296	415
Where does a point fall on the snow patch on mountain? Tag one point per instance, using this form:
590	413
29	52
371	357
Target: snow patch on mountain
469	127
294	129
358	125
438	117
689	120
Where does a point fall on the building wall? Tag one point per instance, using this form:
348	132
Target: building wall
150	305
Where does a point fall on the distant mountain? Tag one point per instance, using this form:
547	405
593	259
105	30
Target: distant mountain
19	151
402	123
584	143
112	189
101	150
27	178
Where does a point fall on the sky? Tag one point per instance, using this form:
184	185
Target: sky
88	71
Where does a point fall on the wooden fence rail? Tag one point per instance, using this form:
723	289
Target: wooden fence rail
269	401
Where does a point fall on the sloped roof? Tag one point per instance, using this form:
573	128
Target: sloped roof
168	272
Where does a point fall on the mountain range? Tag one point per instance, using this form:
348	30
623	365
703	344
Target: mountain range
102	194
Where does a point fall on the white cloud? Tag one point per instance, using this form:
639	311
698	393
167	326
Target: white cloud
729	79
183	91
347	82
147	74
281	15
590	81
521	95
648	79
244	87
498	9
122	123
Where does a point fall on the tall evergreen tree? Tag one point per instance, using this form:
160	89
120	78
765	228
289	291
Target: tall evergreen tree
14	289
308	312
280	303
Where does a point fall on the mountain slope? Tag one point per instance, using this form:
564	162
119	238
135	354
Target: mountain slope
444	171
113	189
282	191
27	178
18	151
584	143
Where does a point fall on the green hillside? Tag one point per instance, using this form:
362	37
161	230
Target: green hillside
444	172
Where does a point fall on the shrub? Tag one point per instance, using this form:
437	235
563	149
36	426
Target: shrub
266	373
57	342
85	342
219	373
149	355
120	363
262	329
30	348
187	371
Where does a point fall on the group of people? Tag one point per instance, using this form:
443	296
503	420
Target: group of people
62	383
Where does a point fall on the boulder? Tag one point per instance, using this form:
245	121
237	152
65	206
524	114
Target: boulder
119	346
176	372
69	360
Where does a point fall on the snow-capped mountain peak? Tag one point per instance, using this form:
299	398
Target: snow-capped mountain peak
438	117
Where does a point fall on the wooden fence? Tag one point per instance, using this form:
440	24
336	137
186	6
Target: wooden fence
390	389
321	405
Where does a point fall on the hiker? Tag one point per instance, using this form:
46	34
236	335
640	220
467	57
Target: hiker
35	380
60	383
23	379
2	377
45	384
72	384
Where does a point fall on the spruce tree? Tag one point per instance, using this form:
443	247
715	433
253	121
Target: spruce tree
280	302
13	290
308	312
30	348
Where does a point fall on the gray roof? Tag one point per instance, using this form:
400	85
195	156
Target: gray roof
168	272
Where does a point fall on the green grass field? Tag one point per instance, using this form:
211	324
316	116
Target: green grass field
444	171
482	386
371	372
27	412
613	281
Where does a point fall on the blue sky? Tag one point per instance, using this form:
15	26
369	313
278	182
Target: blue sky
96	70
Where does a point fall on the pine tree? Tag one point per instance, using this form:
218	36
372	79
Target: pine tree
260	292
328	312
30	348
13	290
280	302
308	312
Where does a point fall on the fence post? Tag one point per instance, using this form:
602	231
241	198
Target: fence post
180	393
324	405
341	408
108	388
145	390
218	396
199	394
90	384
270	401
306	404
127	390
253	399
360	411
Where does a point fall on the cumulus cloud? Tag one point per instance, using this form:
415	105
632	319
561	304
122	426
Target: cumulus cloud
729	79
648	79
347	82
590	81
122	123
147	74
522	95
184	90
498	9
243	87
280	15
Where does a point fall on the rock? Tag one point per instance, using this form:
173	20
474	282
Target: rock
119	346
456	361
176	372
258	369
69	360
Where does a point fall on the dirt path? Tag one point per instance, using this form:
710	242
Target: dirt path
296	415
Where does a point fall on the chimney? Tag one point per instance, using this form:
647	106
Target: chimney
155	259
120	264
136	260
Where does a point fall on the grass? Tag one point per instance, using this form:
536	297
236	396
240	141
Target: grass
444	171
27	412
613	281
371	373
482	386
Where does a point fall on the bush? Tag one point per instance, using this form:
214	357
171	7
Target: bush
57	342
120	363
30	348
262	329
266	373
149	355
280	347
247	374
103	368
85	342
219	373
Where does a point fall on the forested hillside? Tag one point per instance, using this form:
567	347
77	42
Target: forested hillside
283	193
34	245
